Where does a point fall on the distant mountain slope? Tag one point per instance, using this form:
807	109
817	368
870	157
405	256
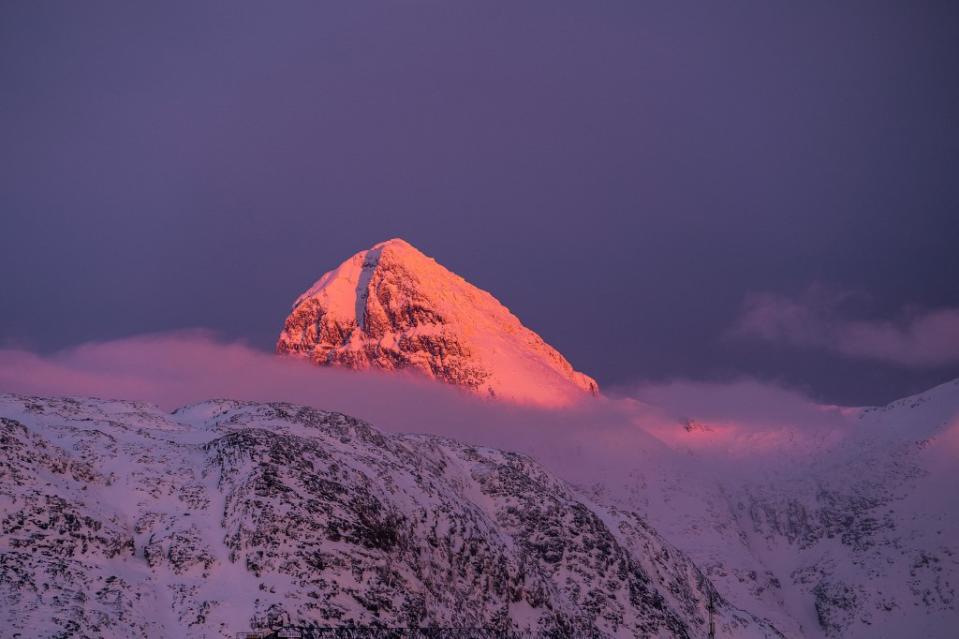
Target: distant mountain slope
391	307
119	520
851	536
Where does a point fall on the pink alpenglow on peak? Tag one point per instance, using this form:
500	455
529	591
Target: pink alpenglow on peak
393	308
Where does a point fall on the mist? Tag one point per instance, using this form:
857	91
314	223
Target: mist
740	426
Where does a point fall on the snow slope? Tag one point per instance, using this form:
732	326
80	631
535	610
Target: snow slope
120	520
118	513
851	531
391	307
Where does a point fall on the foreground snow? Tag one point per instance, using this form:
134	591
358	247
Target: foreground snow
840	523
120	520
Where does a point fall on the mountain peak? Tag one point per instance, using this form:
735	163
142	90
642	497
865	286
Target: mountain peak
391	307
397	243
396	247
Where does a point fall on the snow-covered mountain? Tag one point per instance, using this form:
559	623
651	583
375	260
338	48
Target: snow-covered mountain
225	516
120	520
851	532
391	307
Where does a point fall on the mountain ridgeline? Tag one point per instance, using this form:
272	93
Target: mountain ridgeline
120	520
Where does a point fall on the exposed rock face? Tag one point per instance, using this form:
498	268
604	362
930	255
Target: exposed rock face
118	520
391	308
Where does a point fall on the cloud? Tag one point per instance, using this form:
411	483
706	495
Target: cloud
172	370
742	422
916	339
605	439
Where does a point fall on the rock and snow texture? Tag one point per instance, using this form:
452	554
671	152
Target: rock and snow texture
848	534
120	520
117	520
391	307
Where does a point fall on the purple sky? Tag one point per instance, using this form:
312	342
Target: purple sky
699	190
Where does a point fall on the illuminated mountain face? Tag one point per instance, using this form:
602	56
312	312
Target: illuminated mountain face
393	308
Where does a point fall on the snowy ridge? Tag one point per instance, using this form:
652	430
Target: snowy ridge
391	308
119	520
851	535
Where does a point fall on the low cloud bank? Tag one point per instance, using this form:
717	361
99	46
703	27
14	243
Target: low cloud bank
916	339
173	370
596	440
